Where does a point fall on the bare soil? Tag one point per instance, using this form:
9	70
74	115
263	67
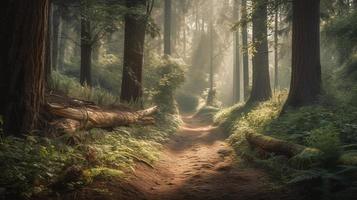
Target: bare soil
196	164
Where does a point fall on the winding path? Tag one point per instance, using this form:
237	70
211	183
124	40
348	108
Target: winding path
197	164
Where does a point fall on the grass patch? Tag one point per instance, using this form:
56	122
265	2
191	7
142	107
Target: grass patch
71	87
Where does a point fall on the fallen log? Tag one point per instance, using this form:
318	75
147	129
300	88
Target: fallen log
84	118
277	146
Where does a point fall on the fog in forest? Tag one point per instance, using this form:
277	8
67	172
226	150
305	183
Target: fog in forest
178	99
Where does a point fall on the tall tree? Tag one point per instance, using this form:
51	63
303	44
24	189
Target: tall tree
236	56
245	57
23	31
261	89
211	92
86	46
48	59
167	27
135	27
56	30
306	68
276	48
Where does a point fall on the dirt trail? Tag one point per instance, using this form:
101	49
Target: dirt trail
199	164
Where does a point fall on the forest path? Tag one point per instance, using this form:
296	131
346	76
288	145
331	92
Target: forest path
197	164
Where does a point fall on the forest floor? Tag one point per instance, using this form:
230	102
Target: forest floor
195	164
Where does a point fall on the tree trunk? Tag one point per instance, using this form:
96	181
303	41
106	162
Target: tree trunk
306	68
245	49
135	27
86	49
56	28
276	53
279	147
48	57
24	28
236	56
85	118
261	90
62	42
184	38
211	93
167	27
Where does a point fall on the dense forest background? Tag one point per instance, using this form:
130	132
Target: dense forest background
92	87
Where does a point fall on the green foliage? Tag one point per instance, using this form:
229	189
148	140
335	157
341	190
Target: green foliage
106	74
224	113
298	124
35	165
327	140
329	127
335	183
343	30
171	75
71	87
187	102
239	119
206	113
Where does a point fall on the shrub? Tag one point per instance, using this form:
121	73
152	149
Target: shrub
171	75
37	165
187	102
327	140
71	87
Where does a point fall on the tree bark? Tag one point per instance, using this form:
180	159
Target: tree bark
167	27
86	49
62	42
48	57
245	49
261	90
24	27
279	147
276	48
306	68
236	56
135	27
56	28
85	118
211	93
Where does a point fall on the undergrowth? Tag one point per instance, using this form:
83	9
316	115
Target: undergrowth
71	87
34	166
331	128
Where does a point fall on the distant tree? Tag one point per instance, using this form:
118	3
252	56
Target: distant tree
49	34
305	84
167	27
135	28
261	90
236	56
276	48
211	92
97	19
86	45
55	36
23	32
245	57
